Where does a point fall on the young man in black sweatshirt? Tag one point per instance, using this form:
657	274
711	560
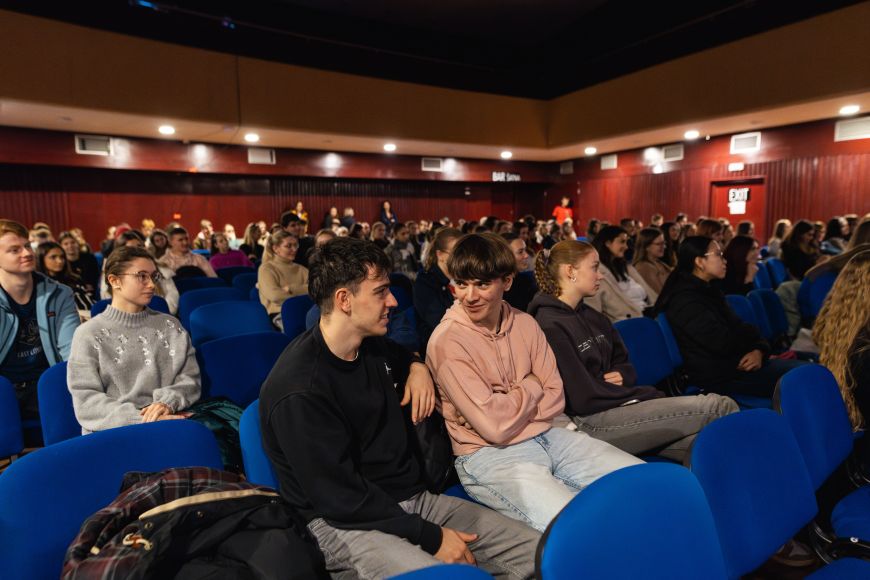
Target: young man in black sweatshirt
333	425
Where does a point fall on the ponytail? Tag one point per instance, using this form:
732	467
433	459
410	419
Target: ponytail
548	261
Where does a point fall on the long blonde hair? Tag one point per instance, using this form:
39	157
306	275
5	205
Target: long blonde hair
548	261
844	315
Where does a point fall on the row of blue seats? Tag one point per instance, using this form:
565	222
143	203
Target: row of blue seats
811	295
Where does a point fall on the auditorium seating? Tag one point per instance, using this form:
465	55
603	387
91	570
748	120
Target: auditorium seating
777	271
758	489
771	315
245	282
293	312
229	274
762	278
47	494
258	468
185	285
192	300
227	318
56	411
157	303
812	294
811	403
235	367
643	521
647	350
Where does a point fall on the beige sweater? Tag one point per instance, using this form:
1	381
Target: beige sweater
654	273
274	277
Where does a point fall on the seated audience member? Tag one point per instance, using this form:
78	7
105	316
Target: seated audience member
721	353
280	277
296	226
746	228
203	238
592	229
648	256
165	286
710	228
842	332
432	294
836	236
356	478
83	264
524	286
624	293
401	252
51	262
727	232
37	318
223	256
601	394
300	211
230	233
672	242
347	219
84	246
179	254
859	242
131	364
780	231
250	245
741	258
388	216
158	243
799	251
379	235
500	393
657	220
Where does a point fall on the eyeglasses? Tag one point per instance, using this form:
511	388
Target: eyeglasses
143	277
720	255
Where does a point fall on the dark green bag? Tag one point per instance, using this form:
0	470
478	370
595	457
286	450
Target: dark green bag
222	417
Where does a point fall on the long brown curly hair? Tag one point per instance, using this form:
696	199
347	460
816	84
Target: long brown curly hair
844	315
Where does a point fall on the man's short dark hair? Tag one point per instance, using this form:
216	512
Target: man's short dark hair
342	263
483	257
177	232
287	217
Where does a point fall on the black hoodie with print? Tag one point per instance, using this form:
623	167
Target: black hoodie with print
587	346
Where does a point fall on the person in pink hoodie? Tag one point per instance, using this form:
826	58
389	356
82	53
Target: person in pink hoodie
501	392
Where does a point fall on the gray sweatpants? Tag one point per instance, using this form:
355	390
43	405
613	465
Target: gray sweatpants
505	547
666	426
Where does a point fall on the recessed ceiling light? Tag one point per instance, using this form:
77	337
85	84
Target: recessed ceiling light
166	130
389	147
692	134
590	150
506	154
850	109
252	137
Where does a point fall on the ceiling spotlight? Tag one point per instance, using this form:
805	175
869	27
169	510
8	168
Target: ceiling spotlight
252	137
166	130
506	154
389	147
849	110
590	150
692	134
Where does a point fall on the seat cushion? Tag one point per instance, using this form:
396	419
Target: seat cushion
851	517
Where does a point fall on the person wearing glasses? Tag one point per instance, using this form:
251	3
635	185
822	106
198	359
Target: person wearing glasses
648	258
131	364
721	353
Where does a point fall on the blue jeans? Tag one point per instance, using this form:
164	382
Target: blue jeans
533	480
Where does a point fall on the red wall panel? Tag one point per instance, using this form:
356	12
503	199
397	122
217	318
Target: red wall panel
806	174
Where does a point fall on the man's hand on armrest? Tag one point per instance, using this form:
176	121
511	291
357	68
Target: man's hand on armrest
419	392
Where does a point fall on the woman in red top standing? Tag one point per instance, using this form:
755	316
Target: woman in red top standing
563	211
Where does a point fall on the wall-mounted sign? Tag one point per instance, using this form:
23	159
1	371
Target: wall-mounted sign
505	176
737	198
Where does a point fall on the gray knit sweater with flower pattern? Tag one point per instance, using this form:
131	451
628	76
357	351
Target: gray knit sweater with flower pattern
121	363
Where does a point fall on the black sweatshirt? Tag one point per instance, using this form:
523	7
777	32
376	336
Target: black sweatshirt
587	346
712	339
339	439
432	298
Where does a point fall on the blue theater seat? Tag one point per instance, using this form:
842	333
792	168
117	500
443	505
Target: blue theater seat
56	411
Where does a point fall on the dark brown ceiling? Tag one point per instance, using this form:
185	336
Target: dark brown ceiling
530	48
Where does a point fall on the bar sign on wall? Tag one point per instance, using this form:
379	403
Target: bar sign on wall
505	176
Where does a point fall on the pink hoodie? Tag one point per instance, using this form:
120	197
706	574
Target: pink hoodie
484	377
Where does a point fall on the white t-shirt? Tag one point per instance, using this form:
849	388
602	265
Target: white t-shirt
634	293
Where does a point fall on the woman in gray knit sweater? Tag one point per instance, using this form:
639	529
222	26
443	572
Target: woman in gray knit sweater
131	364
